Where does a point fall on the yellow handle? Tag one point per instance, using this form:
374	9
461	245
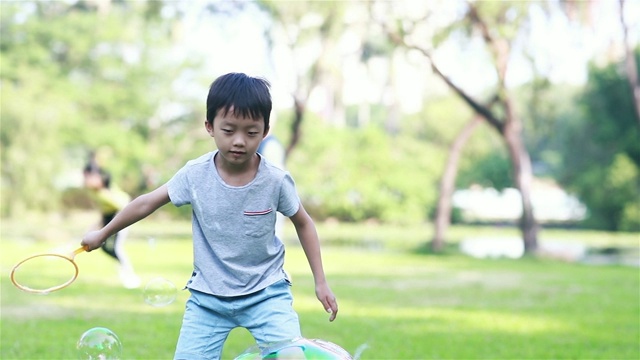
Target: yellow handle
80	249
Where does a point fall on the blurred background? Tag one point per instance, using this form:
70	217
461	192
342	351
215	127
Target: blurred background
515	113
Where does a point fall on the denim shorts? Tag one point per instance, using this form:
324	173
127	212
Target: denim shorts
268	314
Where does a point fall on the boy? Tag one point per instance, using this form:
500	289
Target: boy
238	277
110	199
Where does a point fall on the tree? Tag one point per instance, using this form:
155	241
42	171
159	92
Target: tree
447	185
76	76
497	26
583	13
302	25
601	151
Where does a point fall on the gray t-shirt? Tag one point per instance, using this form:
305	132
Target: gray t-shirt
235	249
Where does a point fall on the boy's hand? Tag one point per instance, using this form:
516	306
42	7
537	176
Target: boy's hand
328	300
92	240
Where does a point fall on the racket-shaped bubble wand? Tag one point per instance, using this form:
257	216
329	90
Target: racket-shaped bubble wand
47	272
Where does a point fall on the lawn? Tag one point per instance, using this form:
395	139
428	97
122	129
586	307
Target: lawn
401	303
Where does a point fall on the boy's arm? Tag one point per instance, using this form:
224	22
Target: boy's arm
306	230
136	210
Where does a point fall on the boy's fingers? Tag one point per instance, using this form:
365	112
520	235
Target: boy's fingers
332	307
333	315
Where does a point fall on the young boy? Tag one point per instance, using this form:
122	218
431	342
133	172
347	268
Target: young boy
238	277
110	199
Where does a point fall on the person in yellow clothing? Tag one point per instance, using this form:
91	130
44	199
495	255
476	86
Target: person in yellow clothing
110	199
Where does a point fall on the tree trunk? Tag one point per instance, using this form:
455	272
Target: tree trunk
447	184
511	130
523	177
508	125
298	108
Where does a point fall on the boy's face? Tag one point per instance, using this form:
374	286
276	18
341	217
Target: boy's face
237	138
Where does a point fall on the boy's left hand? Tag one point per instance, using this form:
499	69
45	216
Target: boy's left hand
328	300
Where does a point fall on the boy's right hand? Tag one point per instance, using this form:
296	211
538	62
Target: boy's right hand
92	240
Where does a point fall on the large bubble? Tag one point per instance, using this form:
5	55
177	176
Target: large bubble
159	292
99	344
299	348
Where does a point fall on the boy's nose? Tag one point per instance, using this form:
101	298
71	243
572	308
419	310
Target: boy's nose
238	140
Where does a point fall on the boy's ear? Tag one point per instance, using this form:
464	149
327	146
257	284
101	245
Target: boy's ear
266	132
209	127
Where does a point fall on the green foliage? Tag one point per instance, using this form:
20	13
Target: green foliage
630	218
484	160
28	136
620	193
439	121
608	102
601	151
74	79
507	18
547	109
492	169
359	174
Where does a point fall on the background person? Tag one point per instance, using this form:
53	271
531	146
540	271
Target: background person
110	199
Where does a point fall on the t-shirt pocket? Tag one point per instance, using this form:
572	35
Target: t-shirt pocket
258	223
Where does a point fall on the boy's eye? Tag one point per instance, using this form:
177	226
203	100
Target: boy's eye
227	131
253	133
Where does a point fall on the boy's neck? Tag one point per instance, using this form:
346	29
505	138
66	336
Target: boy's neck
237	175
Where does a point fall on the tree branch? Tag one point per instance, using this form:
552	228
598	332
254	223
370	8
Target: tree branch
477	107
498	46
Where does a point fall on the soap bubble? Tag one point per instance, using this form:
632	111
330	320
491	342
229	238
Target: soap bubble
99	344
159	292
299	348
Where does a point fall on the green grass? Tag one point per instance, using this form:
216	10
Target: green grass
401	303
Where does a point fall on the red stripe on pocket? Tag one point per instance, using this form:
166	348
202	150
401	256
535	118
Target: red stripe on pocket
261	212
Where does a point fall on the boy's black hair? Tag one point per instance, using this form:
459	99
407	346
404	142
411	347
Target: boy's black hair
249	96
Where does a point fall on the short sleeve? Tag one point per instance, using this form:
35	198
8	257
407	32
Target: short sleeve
289	202
178	188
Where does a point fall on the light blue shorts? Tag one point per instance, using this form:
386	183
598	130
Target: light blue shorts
268	314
